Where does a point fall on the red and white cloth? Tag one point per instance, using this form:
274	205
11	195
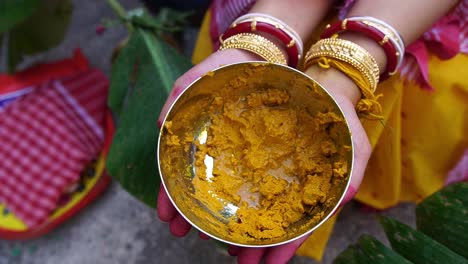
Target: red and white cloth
47	137
446	38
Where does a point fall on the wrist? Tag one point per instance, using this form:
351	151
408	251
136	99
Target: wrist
338	84
241	55
306	16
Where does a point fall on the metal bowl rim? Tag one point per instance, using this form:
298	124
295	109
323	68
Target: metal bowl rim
330	214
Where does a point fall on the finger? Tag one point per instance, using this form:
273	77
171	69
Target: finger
361	149
250	255
203	236
212	62
166	211
179	87
179	226
176	91
233	250
282	254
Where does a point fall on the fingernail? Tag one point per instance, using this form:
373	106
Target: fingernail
233	250
349	194
203	236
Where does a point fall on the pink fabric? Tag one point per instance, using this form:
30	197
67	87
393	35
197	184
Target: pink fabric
416	67
48	136
447	38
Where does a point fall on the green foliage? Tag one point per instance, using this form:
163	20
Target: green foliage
44	29
441	236
369	250
378	252
351	255
167	20
142	77
450	227
13	12
417	247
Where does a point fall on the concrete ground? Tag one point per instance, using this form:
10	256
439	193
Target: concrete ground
119	229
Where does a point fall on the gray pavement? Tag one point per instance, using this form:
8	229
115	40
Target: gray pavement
119	229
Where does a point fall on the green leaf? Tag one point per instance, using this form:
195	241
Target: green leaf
417	247
444	217
378	252
167	19
44	29
142	77
369	250
13	12
172	18
351	255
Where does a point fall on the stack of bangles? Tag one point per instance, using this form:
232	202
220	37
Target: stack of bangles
254	32
262	34
355	61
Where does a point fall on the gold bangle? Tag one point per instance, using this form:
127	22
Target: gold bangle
368	106
348	52
255	44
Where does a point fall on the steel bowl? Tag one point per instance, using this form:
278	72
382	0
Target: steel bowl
189	115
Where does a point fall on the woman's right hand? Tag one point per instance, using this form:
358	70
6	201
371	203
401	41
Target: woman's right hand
347	94
222	57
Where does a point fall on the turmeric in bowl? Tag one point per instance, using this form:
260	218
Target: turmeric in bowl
265	163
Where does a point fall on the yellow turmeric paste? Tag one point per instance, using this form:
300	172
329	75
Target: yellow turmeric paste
265	163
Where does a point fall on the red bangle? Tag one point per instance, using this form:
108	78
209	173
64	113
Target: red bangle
248	27
375	34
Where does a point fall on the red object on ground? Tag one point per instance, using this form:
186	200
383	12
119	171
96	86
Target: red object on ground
44	72
48	136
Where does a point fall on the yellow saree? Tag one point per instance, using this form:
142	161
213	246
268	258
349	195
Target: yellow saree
422	137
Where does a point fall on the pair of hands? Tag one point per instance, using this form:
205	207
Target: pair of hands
338	85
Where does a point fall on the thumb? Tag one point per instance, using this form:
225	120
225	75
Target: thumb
179	87
212	62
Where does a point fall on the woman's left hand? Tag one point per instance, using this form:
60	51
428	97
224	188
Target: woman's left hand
346	94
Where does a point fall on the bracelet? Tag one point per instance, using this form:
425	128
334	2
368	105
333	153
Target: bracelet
256	44
373	33
356	63
368	106
291	47
257	22
274	21
382	33
348	52
388	30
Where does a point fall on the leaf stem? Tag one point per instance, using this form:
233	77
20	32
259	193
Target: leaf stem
121	13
